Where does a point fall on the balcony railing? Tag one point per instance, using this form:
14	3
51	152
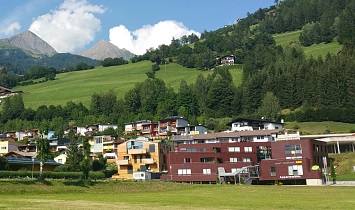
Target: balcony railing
123	162
137	151
148	161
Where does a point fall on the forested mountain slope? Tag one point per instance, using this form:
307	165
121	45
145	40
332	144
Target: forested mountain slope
274	77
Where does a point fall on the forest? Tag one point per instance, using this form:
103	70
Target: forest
275	78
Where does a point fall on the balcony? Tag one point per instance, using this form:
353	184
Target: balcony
123	162
137	151
148	161
146	131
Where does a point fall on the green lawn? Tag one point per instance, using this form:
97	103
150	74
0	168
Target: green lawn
320	127
160	195
79	86
287	38
315	50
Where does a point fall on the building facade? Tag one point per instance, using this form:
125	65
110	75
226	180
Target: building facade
140	155
198	158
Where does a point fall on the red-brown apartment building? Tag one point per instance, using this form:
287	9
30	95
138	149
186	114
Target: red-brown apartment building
197	158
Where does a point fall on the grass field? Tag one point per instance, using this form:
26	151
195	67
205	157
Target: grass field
315	50
320	127
160	195
79	86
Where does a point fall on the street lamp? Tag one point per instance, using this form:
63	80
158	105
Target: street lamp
171	173
33	163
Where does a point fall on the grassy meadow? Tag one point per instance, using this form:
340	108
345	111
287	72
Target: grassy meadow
315	50
320	127
163	195
80	85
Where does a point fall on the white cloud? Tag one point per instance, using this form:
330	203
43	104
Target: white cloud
70	27
148	36
11	28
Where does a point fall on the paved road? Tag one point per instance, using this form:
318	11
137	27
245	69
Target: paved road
343	183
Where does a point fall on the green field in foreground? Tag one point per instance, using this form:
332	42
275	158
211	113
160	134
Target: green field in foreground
79	86
162	195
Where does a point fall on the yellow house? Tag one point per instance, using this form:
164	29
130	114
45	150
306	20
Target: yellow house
7	146
140	155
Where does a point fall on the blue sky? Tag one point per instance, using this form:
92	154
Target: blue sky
72	25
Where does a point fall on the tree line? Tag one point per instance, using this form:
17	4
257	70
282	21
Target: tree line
271	73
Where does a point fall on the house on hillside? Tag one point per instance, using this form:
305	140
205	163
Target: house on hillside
142	128
227	60
243	124
174	124
7	146
78	130
5	92
105	145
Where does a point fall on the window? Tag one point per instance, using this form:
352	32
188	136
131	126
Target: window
187	160
233	149
260	137
248	149
98	140
60	161
129	169
295	170
151	147
125	157
246	160
3	148
233	160
207	171
207	160
272	171
135	159
134	145
191	150
202	149
293	149
148	155
184	171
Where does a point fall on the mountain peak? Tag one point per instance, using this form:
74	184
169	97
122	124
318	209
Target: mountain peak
105	49
29	41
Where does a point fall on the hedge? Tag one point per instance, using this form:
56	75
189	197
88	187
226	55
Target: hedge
50	175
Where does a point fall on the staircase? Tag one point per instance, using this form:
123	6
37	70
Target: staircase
248	173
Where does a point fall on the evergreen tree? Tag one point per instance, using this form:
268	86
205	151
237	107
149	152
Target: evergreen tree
85	164
74	155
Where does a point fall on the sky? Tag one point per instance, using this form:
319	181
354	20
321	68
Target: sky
74	25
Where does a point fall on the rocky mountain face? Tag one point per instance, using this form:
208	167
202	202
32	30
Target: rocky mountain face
31	42
104	49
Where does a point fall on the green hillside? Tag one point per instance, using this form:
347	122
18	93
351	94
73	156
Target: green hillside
80	85
315	50
320	127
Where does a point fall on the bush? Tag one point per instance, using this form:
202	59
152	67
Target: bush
50	175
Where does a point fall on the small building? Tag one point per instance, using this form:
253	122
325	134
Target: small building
140	156
142	128
174	124
227	60
28	161
243	124
7	146
142	175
